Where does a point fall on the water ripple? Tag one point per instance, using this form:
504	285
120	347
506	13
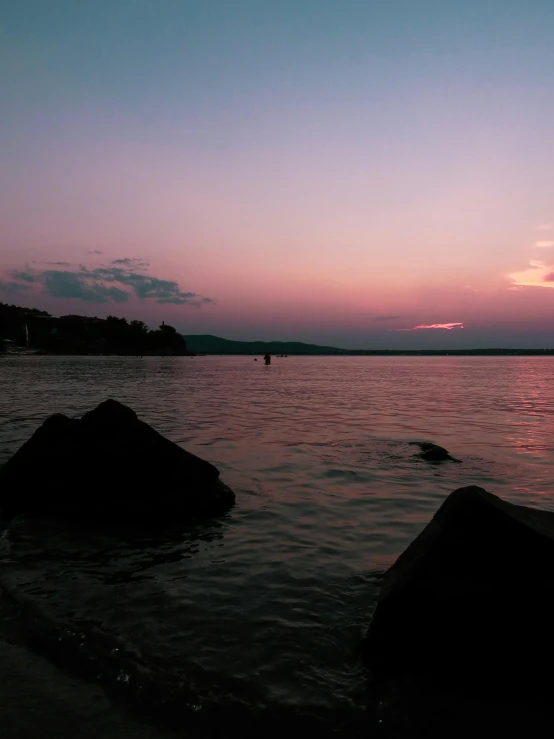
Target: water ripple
279	591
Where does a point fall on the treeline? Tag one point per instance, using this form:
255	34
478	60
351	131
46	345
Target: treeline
82	335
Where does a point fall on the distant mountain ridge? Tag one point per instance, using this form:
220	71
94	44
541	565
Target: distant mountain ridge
207	344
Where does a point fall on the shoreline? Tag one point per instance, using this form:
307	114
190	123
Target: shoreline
38	698
354	353
40	353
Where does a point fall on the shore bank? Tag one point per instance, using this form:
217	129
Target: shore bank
38	699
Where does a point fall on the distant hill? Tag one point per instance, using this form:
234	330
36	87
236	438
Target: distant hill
206	344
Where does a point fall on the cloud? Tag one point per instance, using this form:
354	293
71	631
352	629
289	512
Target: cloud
132	262
62	284
545	227
186	299
106	284
426	326
387	318
21	276
95	251
13	287
175	301
59	264
145	287
544	244
549	277
535	275
447	326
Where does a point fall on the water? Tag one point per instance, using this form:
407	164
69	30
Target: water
276	595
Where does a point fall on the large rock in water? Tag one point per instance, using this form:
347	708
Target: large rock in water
470	603
111	466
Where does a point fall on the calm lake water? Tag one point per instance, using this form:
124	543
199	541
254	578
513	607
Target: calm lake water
277	593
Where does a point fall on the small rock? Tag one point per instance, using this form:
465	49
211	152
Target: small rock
433	452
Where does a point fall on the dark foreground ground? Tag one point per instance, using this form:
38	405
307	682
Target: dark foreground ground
39	700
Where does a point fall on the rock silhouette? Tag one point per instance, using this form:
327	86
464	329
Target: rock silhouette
108	466
433	452
470	603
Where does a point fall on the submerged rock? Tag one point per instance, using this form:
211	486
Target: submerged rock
470	603
433	452
111	466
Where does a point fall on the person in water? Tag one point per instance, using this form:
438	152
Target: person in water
267	358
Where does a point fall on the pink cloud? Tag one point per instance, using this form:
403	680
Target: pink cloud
425	326
537	274
544	244
447	326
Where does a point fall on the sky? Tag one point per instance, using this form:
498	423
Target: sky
358	173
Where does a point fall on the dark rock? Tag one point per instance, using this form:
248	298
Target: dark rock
111	466
433	452
470	603
411	708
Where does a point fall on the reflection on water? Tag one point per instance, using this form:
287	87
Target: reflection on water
278	591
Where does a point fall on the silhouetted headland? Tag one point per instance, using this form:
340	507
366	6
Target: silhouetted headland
83	335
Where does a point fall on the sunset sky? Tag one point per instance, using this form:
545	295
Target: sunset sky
359	173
